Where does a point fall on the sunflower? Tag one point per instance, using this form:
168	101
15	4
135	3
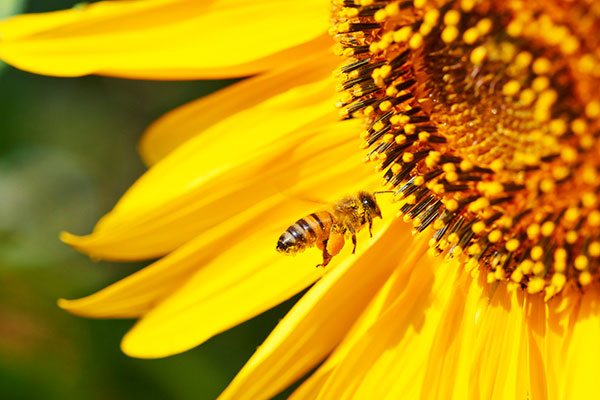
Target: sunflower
482	118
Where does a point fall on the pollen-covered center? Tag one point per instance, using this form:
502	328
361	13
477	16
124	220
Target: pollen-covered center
484	118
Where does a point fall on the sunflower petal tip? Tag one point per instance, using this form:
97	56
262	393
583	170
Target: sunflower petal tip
63	303
70	239
135	348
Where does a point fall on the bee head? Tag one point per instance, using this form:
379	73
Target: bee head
368	202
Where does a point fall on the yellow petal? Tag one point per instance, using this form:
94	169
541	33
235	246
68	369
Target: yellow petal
496	351
164	39
139	292
227	291
205	182
384	299
189	120
246	279
581	349
321	318
390	356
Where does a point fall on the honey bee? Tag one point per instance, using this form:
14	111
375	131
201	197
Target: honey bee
328	229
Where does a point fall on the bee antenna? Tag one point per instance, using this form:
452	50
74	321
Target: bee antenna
383	191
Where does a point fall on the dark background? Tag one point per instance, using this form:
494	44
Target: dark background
68	151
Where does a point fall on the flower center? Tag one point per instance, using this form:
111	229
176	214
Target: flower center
484	117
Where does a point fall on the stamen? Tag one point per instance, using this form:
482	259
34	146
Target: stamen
484	116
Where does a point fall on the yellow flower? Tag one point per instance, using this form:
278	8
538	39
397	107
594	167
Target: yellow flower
484	117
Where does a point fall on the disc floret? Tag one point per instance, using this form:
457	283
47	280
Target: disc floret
483	118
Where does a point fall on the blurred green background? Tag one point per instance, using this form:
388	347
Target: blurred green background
68	152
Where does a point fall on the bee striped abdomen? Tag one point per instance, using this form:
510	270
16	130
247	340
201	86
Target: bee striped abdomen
305	232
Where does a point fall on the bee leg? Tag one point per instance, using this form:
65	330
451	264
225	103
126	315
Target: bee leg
326	256
370	220
353	232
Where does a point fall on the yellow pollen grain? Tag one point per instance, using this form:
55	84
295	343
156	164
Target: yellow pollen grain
558	280
587	63
506	221
540	83
478	55
478	227
542	65
593	219
474	249
511	88
452	205
592	109
425	29
400	139
484	26
380	15
515	28
416	41
558	127
571	237
497	165
547	185
449	167
527	96
388	138
587	142
479	204
548	228
536	253
538	267
408	157
452	17
533	231
402	34
589	175
468	5
466	165
399	119
385	106
378	126
535	285
561	172
495	236
451	177
507	51
594	249
471	35
431	16
571	214
499	274
526	266
579	126
390	91
512	245
517	275
589	200
585	278
569	45
449	34
523	59
392	9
